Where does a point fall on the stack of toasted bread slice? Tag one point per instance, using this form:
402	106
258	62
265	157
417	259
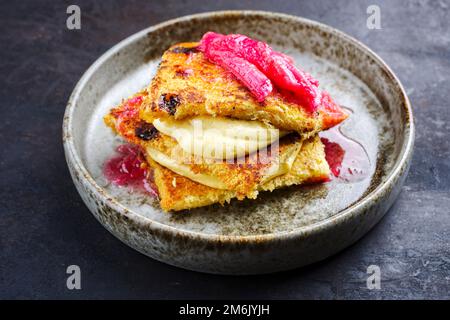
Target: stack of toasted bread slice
189	90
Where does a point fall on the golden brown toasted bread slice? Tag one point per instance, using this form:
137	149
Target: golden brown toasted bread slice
187	84
177	192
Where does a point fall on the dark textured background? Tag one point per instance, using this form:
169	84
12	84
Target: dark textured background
44	226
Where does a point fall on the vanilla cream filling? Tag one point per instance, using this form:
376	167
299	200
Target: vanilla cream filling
282	164
218	137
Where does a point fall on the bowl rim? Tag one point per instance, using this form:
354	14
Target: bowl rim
350	212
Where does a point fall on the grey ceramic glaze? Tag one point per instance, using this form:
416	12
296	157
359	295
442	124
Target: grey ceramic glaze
281	230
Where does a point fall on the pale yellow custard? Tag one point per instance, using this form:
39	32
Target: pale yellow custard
218	137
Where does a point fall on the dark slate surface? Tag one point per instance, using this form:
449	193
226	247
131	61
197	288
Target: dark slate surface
44	226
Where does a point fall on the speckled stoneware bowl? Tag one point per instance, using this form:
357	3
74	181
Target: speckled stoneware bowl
280	230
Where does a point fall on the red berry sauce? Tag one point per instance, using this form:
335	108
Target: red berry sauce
334	154
347	158
129	168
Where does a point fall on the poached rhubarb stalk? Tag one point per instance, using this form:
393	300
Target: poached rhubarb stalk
246	72
258	84
276	66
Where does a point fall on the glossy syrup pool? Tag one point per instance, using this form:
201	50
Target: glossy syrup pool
363	134
347	158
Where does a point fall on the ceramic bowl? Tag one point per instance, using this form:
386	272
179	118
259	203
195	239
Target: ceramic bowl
283	229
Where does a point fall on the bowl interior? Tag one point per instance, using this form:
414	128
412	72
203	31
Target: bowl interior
352	75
